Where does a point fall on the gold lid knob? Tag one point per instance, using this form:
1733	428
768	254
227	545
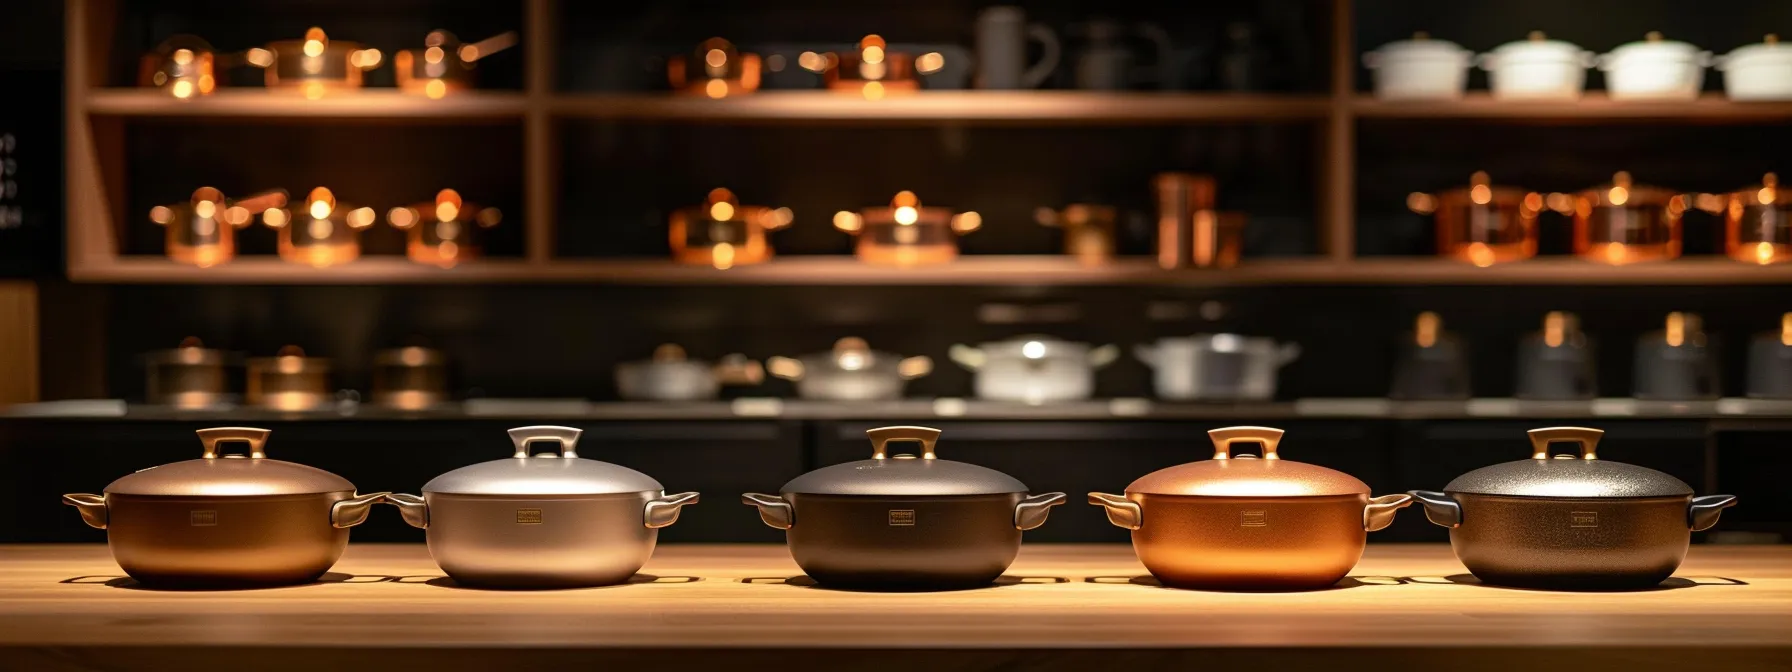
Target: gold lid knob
668	352
1536	36
1653	36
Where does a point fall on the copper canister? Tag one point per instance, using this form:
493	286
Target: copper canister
1625	223
1088	230
444	232
184	65
202	231
907	233
314	66
723	233
190	376
715	69
1190	232
443	64
871	69
1758	223
1483	224
289	381
410	378
321	231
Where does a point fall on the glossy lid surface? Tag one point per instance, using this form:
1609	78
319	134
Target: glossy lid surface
217	474
561	472
1247	476
1585	476
904	475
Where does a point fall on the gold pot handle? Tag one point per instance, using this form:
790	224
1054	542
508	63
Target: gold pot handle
1587	437
882	436
566	437
256	438
1224	437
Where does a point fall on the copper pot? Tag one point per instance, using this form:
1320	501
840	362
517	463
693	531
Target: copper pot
202	231
871	69
321	232
184	65
907	233
715	69
315	65
189	377
723	233
1757	222
1088	230
444	232
1190	232
227	519
1625	223
1483	224
410	378
1243	522
289	381
443	64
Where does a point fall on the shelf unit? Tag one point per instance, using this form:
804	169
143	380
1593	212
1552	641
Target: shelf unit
95	118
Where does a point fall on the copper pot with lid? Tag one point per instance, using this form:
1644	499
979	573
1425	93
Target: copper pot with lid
322	232
871	69
1190	232
314	65
1247	522
1757	221
723	233
716	69
907	233
444	232
185	66
1623	222
202	231
227	519
410	378
1570	521
1088	230
190	376
444	64
289	381
1482	223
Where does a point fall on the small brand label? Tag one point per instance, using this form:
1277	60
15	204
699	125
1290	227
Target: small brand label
1583	519
528	516
202	518
1253	519
902	517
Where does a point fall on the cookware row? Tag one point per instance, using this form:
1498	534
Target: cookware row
1537	68
322	231
902	519
187	66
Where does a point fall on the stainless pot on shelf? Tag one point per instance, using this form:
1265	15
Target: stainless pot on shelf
1034	369
537	521
670	376
1221	367
851	371
187	377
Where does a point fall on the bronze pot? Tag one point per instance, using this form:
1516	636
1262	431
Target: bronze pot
226	520
1570	523
1249	523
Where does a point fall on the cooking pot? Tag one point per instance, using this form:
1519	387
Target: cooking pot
288	381
1190	233
1432	364
1675	364
1482	224
903	520
184	65
1243	522
1419	69
1557	362
1757	221
1568	522
1221	367
1088	230
226	519
443	64
444	232
1758	71
1034	369
852	371
906	233
669	376
410	378
1622	222
1536	68
723	233
871	69
188	377
315	65
542	521
322	233
1654	69
715	69
1770	362
202	231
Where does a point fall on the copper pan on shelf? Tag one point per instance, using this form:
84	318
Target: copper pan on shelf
321	232
1483	223
723	233
444	232
1623	222
444	64
315	65
715	69
872	69
907	233
202	231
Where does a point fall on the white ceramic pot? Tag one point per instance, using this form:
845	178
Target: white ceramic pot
1419	69
1758	71
1654	69
1537	69
1034	369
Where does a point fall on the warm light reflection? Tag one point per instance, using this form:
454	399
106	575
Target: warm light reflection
205	209
1421	203
182	89
1426	329
1032	350
1480	254
721	211
722	256
237	215
183	56
360	218
433	55
447	211
401	218
715	58
314	48
1555	328
930	62
320	229
1676	329
435	88
1786	329
874	91
313	90
846	221
1619	195
716	88
320	209
907	215
1481	194
161	214
1764	253
274	218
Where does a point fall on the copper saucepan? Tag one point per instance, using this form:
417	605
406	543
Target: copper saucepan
1247	522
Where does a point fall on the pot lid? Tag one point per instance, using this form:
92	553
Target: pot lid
410	357
1653	46
190	352
1623	191
1480	191
1034	346
1566	476
1421	46
904	475
290	359
217	474
1247	475
1537	47
561	472
1769	46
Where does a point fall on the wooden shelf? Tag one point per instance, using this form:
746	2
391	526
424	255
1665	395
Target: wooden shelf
1595	106
1055	107
386	103
974	270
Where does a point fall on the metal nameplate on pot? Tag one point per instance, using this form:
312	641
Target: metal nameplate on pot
902	518
528	516
203	518
1583	518
1257	518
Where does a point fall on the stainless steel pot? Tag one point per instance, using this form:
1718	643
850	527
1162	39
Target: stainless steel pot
542	521
1570	522
852	371
1034	369
669	376
410	378
187	377
226	520
904	520
1221	367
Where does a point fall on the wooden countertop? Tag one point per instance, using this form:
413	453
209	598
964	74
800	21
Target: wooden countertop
66	598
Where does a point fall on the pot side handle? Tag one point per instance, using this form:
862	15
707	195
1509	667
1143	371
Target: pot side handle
1032	510
92	508
1122	512
414	509
966	356
1380	512
664	510
1104	355
1701	514
1145	353
1440	508
772	509
353	511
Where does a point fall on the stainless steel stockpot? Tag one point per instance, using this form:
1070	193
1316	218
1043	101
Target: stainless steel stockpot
542	521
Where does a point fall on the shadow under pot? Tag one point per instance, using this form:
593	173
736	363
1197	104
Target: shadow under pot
904	521
1570	522
226	519
553	520
1240	522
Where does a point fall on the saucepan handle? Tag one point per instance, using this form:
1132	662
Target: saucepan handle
566	437
772	509
353	511
256	438
664	510
92	508
1380	512
1440	508
1122	512
1224	437
1032	511
1586	437
882	436
414	509
1701	514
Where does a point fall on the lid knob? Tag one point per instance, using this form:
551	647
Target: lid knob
1421	35
1536	36
567	438
1426	328
1558	326
1771	39
1224	437
669	352
256	438
1653	36
1587	437
882	436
